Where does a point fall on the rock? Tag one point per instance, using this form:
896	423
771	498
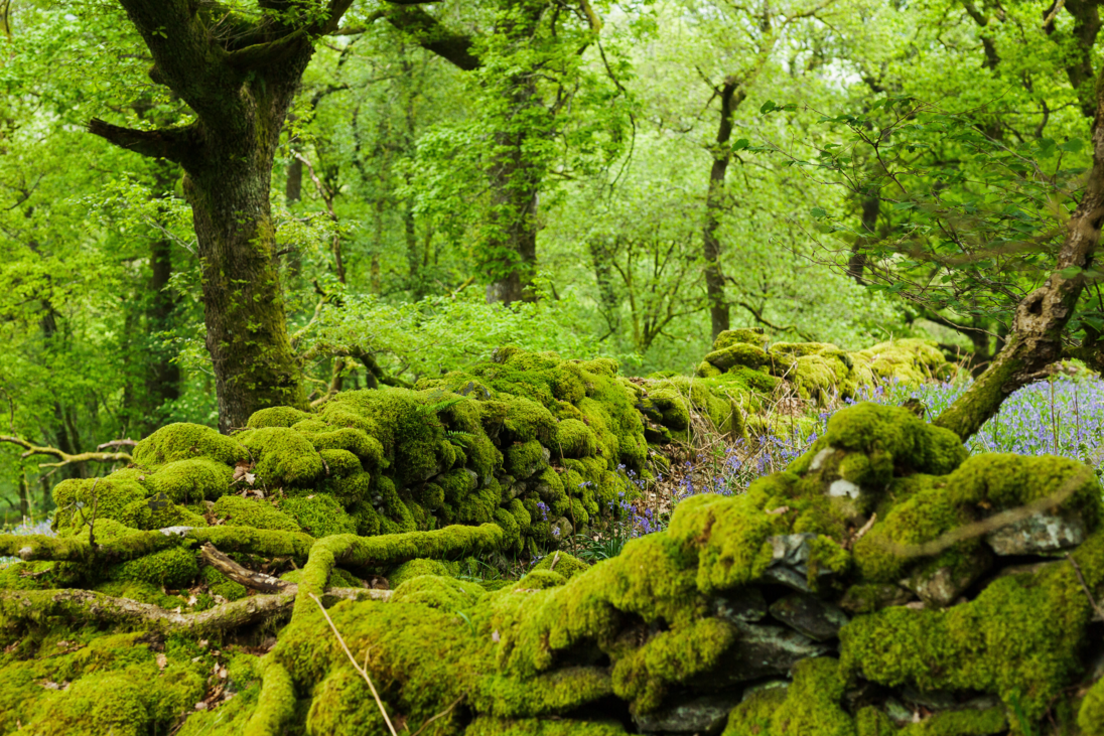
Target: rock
789	562
473	479
562	529
761	651
930	699
1038	534
941	587
702	715
809	615
898	713
844	489
821	457
745	605
868	598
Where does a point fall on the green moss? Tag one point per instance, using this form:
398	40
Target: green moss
753	716
911	361
812	702
535	727
283	457
170	568
186	441
706	369
870	721
437	591
141	591
39	575
358	442
573	439
918	446
527	420
221	585
1090	717
277	416
959	723
319	515
1019	639
340	463
524	459
738	354
155	513
191	481
415	568
255	513
744	335
80	500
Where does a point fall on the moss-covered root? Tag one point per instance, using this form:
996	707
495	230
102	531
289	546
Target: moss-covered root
276	704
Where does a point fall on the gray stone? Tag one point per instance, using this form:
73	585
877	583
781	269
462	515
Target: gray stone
818	460
930	699
867	598
763	687
942	586
898	713
702	715
789	562
844	489
809	615
744	605
473	479
760	652
1038	534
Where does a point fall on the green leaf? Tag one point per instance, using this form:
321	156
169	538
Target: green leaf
1069	273
741	144
818	213
768	106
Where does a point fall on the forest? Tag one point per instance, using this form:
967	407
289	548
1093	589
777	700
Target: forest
551	367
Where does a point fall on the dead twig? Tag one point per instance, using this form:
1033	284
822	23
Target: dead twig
442	714
65	457
1085	586
362	670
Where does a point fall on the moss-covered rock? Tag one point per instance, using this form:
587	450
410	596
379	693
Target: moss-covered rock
187	441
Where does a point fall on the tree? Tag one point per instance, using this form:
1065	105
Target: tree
238	75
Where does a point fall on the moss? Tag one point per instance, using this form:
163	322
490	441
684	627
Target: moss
170	568
573	439
674	409
744	335
870	721
706	369
319	515
523	459
80	500
535	727
258	514
190	481
670	657
437	591
1090	717
812	702
1019	639
340	463
155	513
186	441
911	361
743	354
417	567
918	446
39	575
353	488
277	416
527	420
282	457
221	585
959	723
141	591
753	716
358	442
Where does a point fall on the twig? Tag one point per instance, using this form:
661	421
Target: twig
117	443
1085	586
555	559
363	672
442	714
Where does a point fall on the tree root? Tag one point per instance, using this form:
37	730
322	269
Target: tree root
88	605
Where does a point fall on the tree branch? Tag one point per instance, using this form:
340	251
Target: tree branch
64	457
431	35
172	144
264	54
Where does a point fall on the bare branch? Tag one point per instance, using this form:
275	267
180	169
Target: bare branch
64	457
172	144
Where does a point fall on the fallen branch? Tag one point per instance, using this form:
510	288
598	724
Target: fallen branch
65	457
242	575
118	443
1085	586
85	605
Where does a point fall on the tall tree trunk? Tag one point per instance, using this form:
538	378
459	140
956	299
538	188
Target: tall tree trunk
871	207
239	76
732	94
1035	340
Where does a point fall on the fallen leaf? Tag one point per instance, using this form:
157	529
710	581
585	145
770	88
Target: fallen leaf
162	661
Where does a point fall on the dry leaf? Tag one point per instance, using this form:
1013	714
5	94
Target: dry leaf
192	600
779	510
162	660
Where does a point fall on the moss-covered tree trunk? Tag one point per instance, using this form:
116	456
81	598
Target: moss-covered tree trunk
238	74
1041	318
731	94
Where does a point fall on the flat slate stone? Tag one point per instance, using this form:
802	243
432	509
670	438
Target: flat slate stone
809	615
705	715
789	561
941	587
744	605
1037	534
760	652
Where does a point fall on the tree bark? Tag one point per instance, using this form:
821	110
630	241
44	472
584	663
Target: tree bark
732	94
871	207
239	77
1035	340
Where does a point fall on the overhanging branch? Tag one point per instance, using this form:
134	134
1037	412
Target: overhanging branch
431	35
172	144
64	457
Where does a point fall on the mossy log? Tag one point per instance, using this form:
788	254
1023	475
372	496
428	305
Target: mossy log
837	597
